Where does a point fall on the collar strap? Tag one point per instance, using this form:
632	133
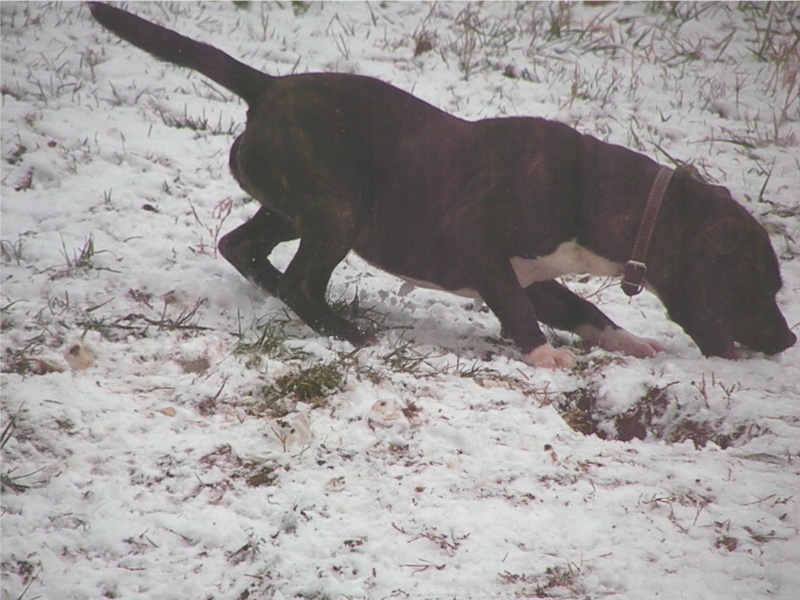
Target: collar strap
636	269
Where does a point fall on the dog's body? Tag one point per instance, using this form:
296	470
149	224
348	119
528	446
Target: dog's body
494	208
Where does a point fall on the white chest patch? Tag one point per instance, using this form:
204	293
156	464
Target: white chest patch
568	258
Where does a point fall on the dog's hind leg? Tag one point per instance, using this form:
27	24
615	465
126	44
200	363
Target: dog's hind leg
248	248
561	308
304	285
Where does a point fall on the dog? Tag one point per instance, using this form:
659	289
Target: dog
496	209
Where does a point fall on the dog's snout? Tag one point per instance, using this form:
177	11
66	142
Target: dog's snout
780	343
791	340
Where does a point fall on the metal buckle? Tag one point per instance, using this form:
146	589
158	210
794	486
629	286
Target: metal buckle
633	277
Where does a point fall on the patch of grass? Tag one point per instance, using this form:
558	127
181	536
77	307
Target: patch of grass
556	582
263	475
559	20
405	358
12	251
474	370
8	479
24	360
17	94
199	124
477	36
710	383
447	542
219	215
249	552
423	42
20	362
667	503
25	182
80	261
254	474
140	324
28	572
310	385
300	8
267	338
15	156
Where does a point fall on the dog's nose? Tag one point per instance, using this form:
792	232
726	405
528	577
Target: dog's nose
792	339
786	341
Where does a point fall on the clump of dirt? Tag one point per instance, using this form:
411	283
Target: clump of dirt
582	410
655	415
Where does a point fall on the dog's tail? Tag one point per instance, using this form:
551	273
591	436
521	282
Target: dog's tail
165	44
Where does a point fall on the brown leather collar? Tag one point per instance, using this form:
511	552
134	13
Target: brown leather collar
636	269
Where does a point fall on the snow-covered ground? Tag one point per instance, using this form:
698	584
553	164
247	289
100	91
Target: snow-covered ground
202	443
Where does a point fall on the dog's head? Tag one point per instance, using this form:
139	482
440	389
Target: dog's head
730	284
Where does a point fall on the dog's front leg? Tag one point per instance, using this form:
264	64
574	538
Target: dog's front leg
497	283
559	307
504	295
248	248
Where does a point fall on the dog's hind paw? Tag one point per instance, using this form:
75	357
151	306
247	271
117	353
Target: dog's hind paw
360	338
547	357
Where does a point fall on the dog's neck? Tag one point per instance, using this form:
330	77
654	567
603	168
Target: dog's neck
688	204
636	268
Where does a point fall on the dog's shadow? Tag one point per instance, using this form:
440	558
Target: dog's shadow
400	313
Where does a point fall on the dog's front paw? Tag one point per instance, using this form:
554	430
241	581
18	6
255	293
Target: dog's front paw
547	357
619	340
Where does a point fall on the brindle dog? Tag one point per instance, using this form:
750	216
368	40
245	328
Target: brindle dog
495	208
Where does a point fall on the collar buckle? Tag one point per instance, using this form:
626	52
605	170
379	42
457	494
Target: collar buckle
633	277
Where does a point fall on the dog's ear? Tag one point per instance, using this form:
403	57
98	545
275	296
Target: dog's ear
689	170
720	236
716	252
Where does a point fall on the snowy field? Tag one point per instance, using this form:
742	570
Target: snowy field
170	432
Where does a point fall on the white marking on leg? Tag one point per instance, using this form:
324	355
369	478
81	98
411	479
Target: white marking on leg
619	340
547	357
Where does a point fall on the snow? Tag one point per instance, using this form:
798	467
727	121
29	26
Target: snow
437	464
